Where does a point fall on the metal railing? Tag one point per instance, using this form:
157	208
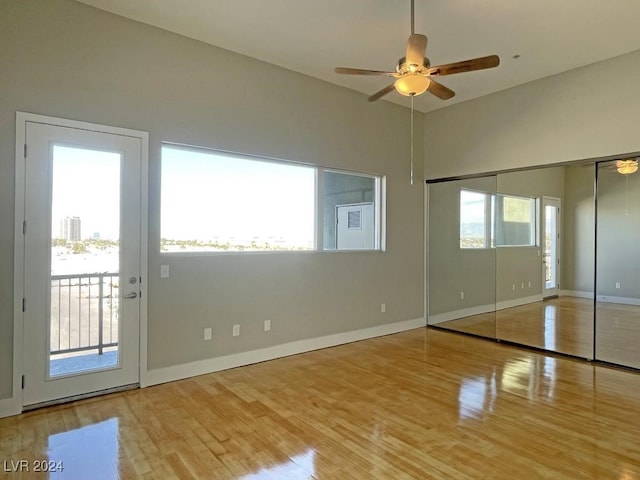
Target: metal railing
84	312
547	265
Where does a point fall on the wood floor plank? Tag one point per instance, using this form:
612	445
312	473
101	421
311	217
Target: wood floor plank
423	404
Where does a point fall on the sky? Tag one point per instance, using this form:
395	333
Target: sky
86	184
205	195
209	194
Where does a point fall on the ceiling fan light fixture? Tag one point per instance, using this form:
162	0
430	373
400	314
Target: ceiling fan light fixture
412	84
627	167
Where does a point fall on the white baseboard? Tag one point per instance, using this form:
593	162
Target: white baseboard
621	300
201	367
576	293
516	302
456	314
9	407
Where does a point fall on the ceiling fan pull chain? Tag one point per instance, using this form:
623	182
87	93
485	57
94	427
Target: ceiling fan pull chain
411	168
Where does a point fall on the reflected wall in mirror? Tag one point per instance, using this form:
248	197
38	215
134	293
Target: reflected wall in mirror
618	265
462	265
544	287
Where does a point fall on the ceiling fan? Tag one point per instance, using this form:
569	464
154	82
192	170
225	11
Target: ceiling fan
414	74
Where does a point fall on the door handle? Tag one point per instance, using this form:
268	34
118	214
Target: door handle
131	295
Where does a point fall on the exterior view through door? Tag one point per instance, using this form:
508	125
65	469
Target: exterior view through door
551	246
82	263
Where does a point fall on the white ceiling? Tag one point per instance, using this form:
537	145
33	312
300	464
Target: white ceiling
314	36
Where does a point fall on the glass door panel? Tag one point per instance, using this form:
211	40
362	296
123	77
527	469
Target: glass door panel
85	260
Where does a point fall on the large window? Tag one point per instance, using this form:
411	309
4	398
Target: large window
219	202
488	220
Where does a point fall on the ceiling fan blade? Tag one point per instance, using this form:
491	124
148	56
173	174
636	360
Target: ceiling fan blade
465	66
382	92
358	71
440	90
416	49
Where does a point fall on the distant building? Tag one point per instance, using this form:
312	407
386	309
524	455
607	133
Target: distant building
71	229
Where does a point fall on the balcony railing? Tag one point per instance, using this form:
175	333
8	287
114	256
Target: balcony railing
84	313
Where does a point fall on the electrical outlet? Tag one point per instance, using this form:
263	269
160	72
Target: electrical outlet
207	334
461	295
267	325
522	285
513	287
529	284
383	307
164	271
236	330
617	284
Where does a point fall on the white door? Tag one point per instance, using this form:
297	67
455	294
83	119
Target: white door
355	229
82	258
550	246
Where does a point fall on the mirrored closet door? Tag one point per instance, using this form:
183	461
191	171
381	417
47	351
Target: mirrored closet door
511	257
618	263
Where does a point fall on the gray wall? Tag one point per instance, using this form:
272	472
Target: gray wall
69	60
579	229
571	116
618	219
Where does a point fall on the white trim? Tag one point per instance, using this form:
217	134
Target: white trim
144	251
576	293
456	314
14	404
621	300
516	302
201	367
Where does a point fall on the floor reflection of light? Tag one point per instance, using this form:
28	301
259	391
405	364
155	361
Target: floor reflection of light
298	467
86	452
549	371
477	396
535	376
517	376
627	474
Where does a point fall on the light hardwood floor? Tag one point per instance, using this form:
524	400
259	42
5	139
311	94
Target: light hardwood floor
423	404
564	325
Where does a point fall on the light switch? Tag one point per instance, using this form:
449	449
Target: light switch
164	271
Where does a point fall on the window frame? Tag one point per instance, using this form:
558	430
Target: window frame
318	246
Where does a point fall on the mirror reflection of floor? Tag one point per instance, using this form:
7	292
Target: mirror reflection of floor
563	324
618	333
483	325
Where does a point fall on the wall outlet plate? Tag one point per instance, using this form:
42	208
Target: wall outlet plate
208	334
164	271
267	325
236	330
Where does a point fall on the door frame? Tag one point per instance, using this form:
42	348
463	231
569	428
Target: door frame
552	292
22	118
